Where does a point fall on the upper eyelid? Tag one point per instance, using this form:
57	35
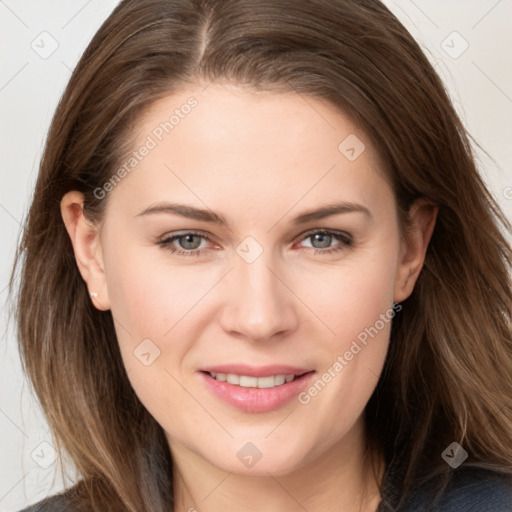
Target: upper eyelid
174	236
337	232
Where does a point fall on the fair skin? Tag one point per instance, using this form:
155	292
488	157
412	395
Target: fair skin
258	160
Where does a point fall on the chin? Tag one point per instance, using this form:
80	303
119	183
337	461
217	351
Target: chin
258	458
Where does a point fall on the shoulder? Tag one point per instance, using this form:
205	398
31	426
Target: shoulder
470	490
479	489
52	504
62	502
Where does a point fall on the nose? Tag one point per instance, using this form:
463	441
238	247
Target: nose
259	304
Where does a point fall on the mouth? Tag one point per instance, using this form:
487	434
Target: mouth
247	381
253	389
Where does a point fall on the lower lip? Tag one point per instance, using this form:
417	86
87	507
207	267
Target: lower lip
257	399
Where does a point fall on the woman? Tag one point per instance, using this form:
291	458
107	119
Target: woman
261	271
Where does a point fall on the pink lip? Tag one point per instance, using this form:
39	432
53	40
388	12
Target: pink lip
257	399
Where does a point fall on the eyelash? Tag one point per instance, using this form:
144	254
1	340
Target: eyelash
345	240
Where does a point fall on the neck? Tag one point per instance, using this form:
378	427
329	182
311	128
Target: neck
345	477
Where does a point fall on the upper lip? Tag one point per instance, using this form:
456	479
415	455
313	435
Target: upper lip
256	371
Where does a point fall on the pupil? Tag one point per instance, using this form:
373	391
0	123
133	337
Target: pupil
326	239
189	242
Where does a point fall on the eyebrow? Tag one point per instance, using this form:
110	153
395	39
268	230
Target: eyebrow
205	215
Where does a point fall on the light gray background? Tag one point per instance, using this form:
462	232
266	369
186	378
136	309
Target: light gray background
31	82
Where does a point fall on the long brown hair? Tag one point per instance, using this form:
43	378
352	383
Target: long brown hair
448	375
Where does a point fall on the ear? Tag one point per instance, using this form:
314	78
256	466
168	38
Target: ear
87	248
422	215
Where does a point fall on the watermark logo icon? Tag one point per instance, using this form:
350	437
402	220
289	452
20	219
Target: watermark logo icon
249	454
146	352
352	147
454	455
44	45
249	249
44	455
454	45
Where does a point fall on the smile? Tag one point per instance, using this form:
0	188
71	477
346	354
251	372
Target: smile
263	390
247	381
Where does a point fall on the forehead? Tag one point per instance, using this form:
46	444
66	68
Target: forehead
230	144
239	119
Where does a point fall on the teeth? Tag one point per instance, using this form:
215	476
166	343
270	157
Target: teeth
232	378
281	379
253	382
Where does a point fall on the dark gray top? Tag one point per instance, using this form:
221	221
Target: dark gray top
471	490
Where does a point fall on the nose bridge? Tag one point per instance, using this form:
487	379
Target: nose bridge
259	305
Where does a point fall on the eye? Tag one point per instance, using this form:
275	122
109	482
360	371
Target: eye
322	239
188	243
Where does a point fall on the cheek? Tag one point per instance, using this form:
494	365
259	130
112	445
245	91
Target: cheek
357	306
350	298
146	304
157	313
147	296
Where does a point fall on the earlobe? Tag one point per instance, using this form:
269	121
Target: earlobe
86	244
422	215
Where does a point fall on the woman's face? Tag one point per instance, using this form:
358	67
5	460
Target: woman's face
256	290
